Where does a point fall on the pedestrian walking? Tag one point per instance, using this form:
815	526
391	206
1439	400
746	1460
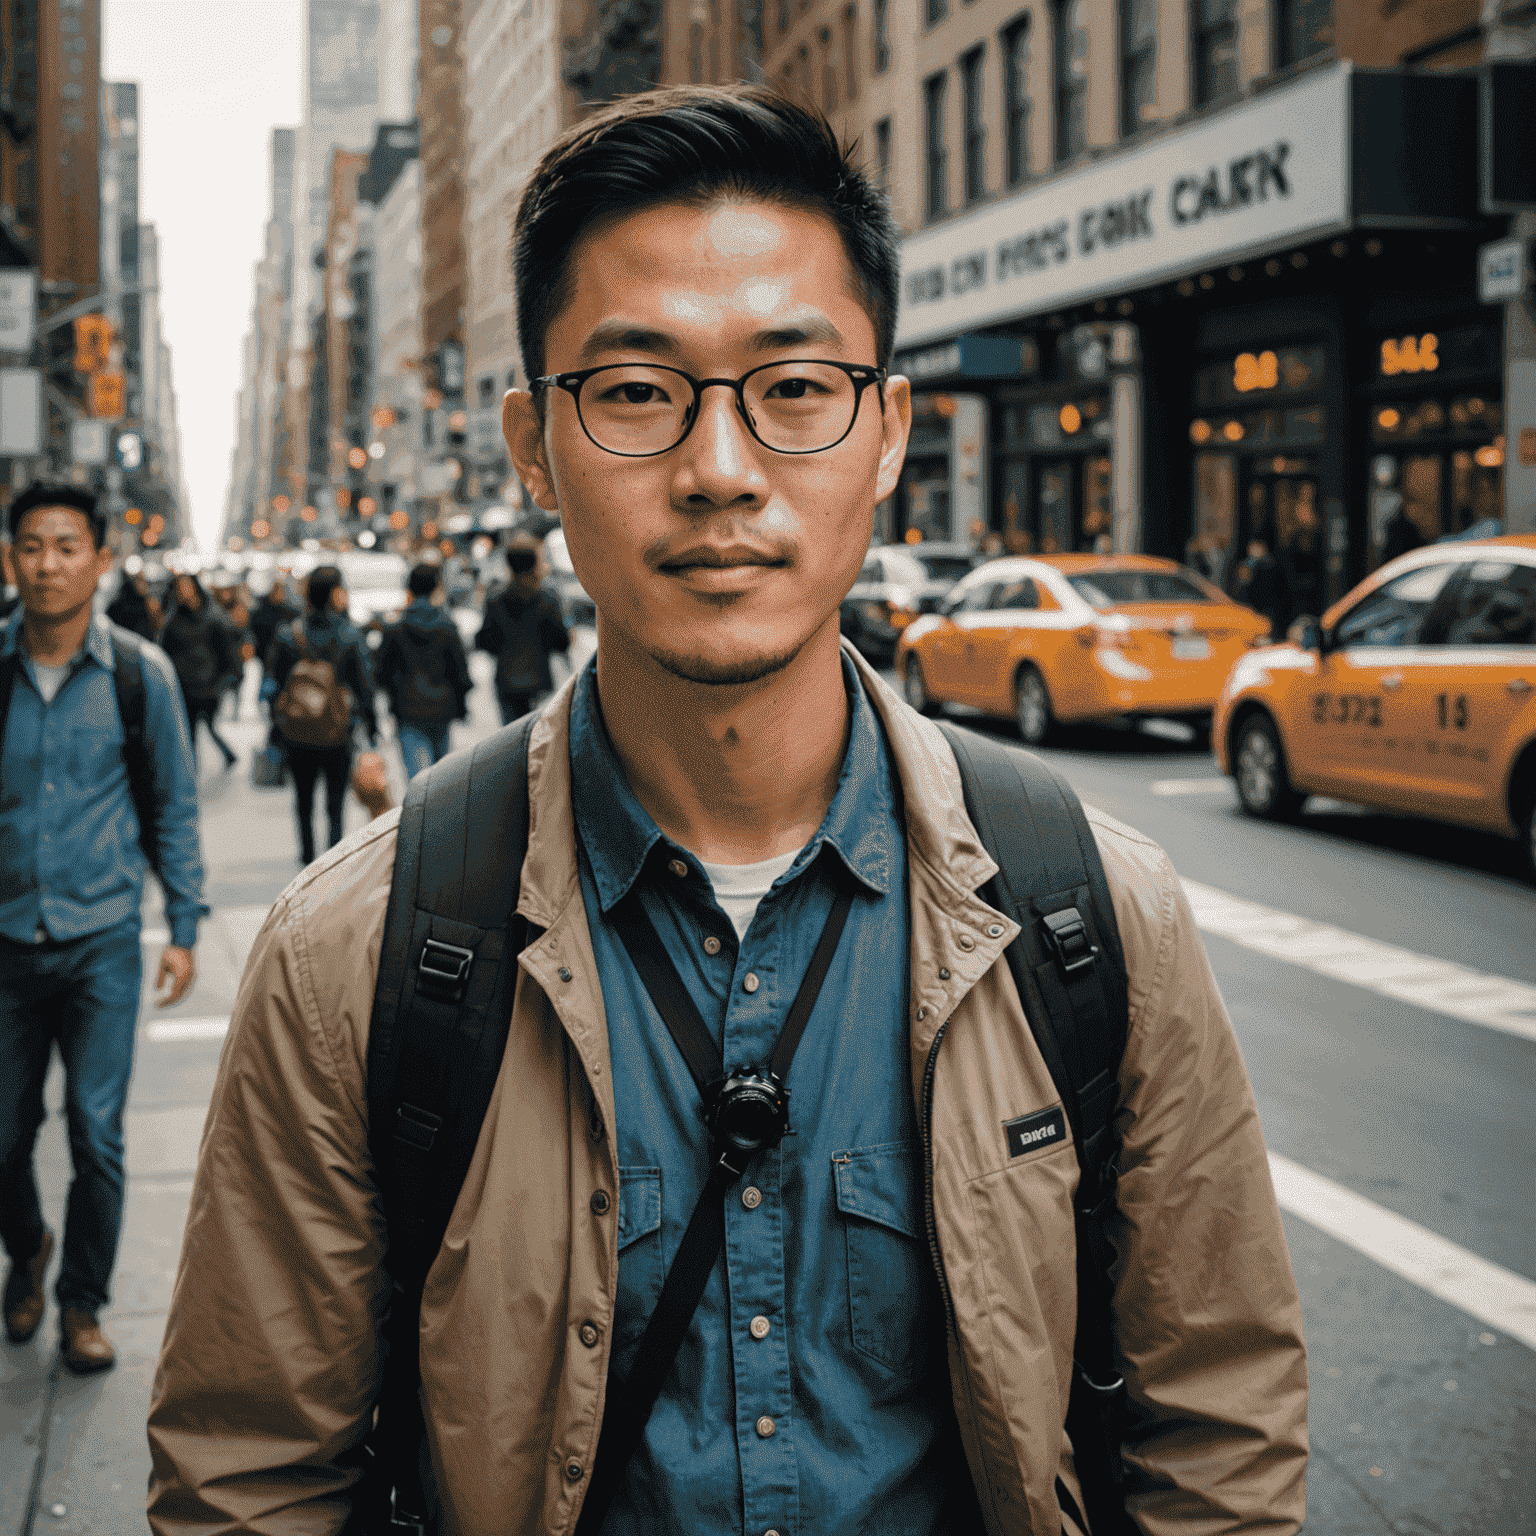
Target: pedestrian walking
202	648
423	671
269	615
130	608
1262	586
233	602
749	899
522	628
99	787
320	667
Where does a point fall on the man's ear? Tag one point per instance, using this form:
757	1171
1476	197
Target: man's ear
895	426
522	425
103	560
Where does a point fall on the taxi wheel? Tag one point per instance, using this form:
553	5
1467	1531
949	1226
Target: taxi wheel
914	690
1036	722
1262	783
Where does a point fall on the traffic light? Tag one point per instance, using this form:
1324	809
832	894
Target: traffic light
106	395
93	344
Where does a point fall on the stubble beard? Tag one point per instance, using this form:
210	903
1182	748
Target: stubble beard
725	674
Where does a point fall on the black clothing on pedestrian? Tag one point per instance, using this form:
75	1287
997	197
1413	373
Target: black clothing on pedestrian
521	630
307	764
206	656
266	619
1262	586
422	668
1402	535
130	610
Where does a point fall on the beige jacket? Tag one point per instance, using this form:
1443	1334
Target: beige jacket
271	1359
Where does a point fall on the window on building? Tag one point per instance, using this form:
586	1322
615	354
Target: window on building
1215	50
1303	29
933	138
828	72
487	387
882	36
883	152
1138	64
975	126
935	11
1015	38
850	69
1069	67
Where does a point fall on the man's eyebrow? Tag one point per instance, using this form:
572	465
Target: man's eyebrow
623	336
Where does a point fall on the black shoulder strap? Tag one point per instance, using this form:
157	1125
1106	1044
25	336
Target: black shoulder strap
128	684
442	1009
1069	967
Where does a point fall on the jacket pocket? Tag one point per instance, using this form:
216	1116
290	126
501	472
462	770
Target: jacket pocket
880	1198
641	1271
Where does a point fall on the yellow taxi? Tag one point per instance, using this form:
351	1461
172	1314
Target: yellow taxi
1415	693
1070	638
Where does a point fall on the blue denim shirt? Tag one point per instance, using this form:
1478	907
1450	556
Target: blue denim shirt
70	858
825	1236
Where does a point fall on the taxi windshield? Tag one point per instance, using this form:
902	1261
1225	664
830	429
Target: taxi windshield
1105	589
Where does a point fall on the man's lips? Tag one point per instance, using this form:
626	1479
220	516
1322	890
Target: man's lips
711	559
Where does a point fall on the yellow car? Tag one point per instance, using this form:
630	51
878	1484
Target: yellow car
1070	638
1416	693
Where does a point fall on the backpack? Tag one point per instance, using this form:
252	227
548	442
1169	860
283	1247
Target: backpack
424	690
199	670
128	685
312	709
442	1013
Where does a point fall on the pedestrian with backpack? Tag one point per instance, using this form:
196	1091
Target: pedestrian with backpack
423	672
320	667
522	628
202	647
768	1111
99	787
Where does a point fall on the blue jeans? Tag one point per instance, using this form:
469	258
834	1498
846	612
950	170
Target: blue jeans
84	996
421	744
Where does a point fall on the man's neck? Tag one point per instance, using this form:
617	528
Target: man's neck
736	775
52	642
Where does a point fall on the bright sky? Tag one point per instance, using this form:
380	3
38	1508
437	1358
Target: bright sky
215	77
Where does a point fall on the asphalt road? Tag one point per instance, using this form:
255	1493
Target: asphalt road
1423	1409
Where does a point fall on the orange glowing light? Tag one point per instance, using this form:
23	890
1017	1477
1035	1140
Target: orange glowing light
235	542
913	535
1388	420
367	506
1233	431
133	517
399	519
260	529
309	514
1071	418
150	538
358	458
1491	456
1199	431
280	504
343	498
383	416
446	546
429	530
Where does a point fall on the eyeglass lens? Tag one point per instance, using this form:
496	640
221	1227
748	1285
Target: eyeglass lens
792	407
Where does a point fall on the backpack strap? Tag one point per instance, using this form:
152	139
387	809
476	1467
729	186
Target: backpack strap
128	684
442	1011
1069	967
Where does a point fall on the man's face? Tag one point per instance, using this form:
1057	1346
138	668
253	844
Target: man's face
720	558
56	561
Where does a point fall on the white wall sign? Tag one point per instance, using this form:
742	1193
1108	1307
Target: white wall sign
18	309
90	440
1501	271
1271	171
21	411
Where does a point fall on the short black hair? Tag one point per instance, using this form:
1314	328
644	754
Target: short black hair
425	578
75	497
323	581
696	145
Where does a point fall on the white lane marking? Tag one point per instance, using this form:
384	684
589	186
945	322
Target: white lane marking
1495	1295
1495	1002
1191	786
169	1031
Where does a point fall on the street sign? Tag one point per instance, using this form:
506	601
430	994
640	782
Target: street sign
89	440
106	394
1502	271
93	343
18	309
21	411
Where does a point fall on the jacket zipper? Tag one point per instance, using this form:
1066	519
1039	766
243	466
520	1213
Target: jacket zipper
928	1212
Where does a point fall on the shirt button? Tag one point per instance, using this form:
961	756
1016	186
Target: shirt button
751	1197
600	1202
994	930
588	1335
765	1427
758	1327
573	1471
943	974
966	942
749	982
564	973
678	868
711	945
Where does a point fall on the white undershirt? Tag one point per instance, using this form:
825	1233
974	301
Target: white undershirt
740	887
50	679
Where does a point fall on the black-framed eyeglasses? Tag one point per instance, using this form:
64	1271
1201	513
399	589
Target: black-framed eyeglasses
638	410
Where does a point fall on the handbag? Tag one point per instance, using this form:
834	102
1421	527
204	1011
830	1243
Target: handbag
269	768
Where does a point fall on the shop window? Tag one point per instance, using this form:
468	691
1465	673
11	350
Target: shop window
1303	30
1138	64
937	158
1015	39
1215	50
882	36
883	152
1210	550
1069	67
975	126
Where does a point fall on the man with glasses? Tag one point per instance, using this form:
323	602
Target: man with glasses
725	806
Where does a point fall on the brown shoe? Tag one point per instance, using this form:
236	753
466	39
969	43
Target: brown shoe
24	1299
85	1347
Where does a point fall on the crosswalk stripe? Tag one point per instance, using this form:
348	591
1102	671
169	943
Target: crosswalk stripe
1192	786
170	1031
1495	1002
1495	1295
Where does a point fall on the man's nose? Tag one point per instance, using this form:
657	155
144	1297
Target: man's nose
721	443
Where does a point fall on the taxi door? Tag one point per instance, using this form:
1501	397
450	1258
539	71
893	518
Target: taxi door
995	640
944	650
1363	723
963	682
1480	701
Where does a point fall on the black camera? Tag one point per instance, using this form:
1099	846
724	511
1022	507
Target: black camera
748	1112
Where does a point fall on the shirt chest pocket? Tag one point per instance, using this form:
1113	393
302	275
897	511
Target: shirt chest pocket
890	1281
641	1271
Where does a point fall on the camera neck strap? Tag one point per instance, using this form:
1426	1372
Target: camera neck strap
630	1402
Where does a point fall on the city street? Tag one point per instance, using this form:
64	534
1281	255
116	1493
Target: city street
1383	983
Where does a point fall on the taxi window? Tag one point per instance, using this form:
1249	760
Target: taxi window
1016	594
1494	605
978	598
1106	588
871	571
1394	614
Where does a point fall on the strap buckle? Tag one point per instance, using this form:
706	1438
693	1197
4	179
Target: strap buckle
1066	935
443	970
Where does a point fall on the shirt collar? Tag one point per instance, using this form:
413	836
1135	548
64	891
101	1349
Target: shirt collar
98	638
619	836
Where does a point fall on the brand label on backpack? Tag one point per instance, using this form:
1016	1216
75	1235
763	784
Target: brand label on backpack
1031	1132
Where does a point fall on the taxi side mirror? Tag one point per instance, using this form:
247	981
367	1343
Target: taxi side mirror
1307	633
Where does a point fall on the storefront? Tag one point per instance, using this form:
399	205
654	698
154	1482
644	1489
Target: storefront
1220	335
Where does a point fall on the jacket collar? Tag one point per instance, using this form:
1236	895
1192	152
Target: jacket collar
98	638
